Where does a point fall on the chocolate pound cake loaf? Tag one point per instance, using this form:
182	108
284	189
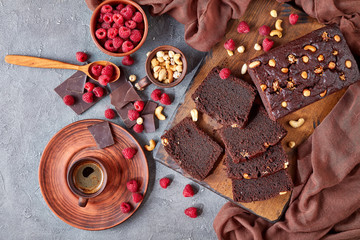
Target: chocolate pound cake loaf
228	101
260	133
248	190
273	160
194	151
303	71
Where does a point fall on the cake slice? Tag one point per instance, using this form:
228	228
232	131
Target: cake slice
248	190
260	133
228	101
273	160
191	148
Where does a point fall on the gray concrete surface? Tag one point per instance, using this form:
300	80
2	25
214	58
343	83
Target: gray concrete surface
31	113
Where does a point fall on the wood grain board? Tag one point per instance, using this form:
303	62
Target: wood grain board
257	14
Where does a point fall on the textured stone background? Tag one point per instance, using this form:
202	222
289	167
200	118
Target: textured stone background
31	113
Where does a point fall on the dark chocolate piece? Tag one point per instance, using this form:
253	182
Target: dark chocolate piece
124	94
123	113
303	71
102	135
149	123
76	82
119	82
149	108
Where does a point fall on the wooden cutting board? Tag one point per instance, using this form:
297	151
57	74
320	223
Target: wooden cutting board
257	14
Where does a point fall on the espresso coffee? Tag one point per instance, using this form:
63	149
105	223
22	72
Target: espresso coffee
88	177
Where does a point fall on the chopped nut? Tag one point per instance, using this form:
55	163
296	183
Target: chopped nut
292	59
321	58
342	76
318	70
160	54
297	123
164	141
306	92
284	70
286	164
230	53
290	85
278	25
241	49
305	59
282	193
310	48
132	78
335	52
272	63
323	93
194	114
325	36
291	144
244	154
276	86
266	145
246	176
332	65
304	75
348	63
152	145
337	38
273	13
139	120
254	64
244	69
234	125
257	47
284	104
276	32
263	87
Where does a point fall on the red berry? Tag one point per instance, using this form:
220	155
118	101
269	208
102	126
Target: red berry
124	32
224	73
130	24
96	70
191	212
293	18
68	100
156	95
133	114
106	8
264	30
138	128
243	27
133	9
108	17
140	25
128	153
98	91
135	36
165	99
137	197
125	207
109	113
118	19
81	56
128	60
229	45
115	25
188	191
106	25
126	12
139	105
104	80
117	42
101	20
112	33
108	70
132	186
88	97
89	86
101	33
120	6
137	17
127	46
267	44
164	182
109	45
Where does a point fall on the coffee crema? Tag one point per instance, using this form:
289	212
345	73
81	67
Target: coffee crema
88	177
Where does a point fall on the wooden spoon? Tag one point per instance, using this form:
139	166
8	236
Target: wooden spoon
36	62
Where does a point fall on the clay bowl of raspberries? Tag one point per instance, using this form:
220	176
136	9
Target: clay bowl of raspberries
118	28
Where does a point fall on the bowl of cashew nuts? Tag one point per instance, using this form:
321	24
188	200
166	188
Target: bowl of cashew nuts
166	66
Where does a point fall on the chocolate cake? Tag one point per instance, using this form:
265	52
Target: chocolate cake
228	100
260	133
303	71
273	160
248	190
191	148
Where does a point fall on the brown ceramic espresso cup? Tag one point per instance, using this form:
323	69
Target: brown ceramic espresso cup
86	178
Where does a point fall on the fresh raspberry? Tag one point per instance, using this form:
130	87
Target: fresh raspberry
132	186
124	32
127	60
137	197
139	105
165	99
191	212
125	207
112	33
69	100
243	27
81	56
96	70
264	30
109	45
188	191
128	153
130	24
115	25
89	86
106	25
127	46
120	6
98	91
101	33
133	114
133	9
104	80
267	44
156	95
224	73
138	128
229	45
135	36
108	70
108	17
164	182
88	97
116	12
140	25
106	8
100	19
293	18
127	13
118	19
117	42
109	113
137	17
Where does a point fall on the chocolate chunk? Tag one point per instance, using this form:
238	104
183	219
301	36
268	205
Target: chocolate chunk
124	94
149	123
123	113
149	108
76	82
102	135
119	82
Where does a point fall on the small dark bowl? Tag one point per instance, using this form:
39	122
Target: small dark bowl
149	72
95	17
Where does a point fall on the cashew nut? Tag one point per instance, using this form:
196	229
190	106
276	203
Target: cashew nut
310	47
276	33
162	74
160	54
160	59
170	76
151	146
178	61
179	68
273	13
154	62
158	113
278	25
171	54
291	144
194	114
298	123
156	69
257	47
